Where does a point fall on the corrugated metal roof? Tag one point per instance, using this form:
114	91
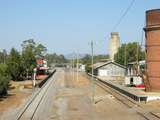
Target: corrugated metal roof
101	64
98	64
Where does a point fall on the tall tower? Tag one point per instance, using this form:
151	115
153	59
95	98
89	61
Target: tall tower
152	34
114	45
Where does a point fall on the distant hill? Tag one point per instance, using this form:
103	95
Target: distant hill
73	55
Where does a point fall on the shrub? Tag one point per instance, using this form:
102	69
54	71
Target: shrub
4	79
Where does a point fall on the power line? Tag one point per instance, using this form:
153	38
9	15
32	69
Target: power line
121	18
123	15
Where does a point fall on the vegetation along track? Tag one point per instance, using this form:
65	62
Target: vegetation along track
126	100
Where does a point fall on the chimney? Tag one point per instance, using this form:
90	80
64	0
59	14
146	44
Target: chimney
152	34
114	45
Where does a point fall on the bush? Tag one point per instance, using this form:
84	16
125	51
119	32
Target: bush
4	82
14	65
15	70
4	79
88	68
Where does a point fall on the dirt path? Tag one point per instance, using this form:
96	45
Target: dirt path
73	102
10	104
69	98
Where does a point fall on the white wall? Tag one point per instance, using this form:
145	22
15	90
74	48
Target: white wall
102	72
136	80
111	70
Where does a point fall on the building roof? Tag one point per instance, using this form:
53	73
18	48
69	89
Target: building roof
98	64
101	64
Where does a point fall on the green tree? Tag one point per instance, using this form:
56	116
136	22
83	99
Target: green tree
4	79
97	58
31	50
28	56
15	68
30	43
54	58
86	59
3	56
130	52
40	50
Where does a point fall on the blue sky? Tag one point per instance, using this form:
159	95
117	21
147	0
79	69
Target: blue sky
64	26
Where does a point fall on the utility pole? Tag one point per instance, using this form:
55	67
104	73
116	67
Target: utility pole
138	69
125	55
93	82
72	70
77	66
73	67
137	52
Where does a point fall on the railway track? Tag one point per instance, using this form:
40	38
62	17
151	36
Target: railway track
127	101
29	110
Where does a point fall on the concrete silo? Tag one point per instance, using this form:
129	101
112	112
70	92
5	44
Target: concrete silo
114	45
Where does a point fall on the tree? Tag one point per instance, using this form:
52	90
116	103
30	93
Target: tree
28	44
54	58
31	50
28	56
97	58
3	56
130	52
4	79
40	50
15	68
21	65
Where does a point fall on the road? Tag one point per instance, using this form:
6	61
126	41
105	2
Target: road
66	98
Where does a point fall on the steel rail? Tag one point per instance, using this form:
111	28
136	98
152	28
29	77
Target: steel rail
32	99
32	117
127	101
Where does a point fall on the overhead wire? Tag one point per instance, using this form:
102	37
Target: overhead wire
121	18
123	15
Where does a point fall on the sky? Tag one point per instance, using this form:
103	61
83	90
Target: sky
67	26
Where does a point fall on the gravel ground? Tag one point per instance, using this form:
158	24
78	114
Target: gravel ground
11	104
68	98
72	101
